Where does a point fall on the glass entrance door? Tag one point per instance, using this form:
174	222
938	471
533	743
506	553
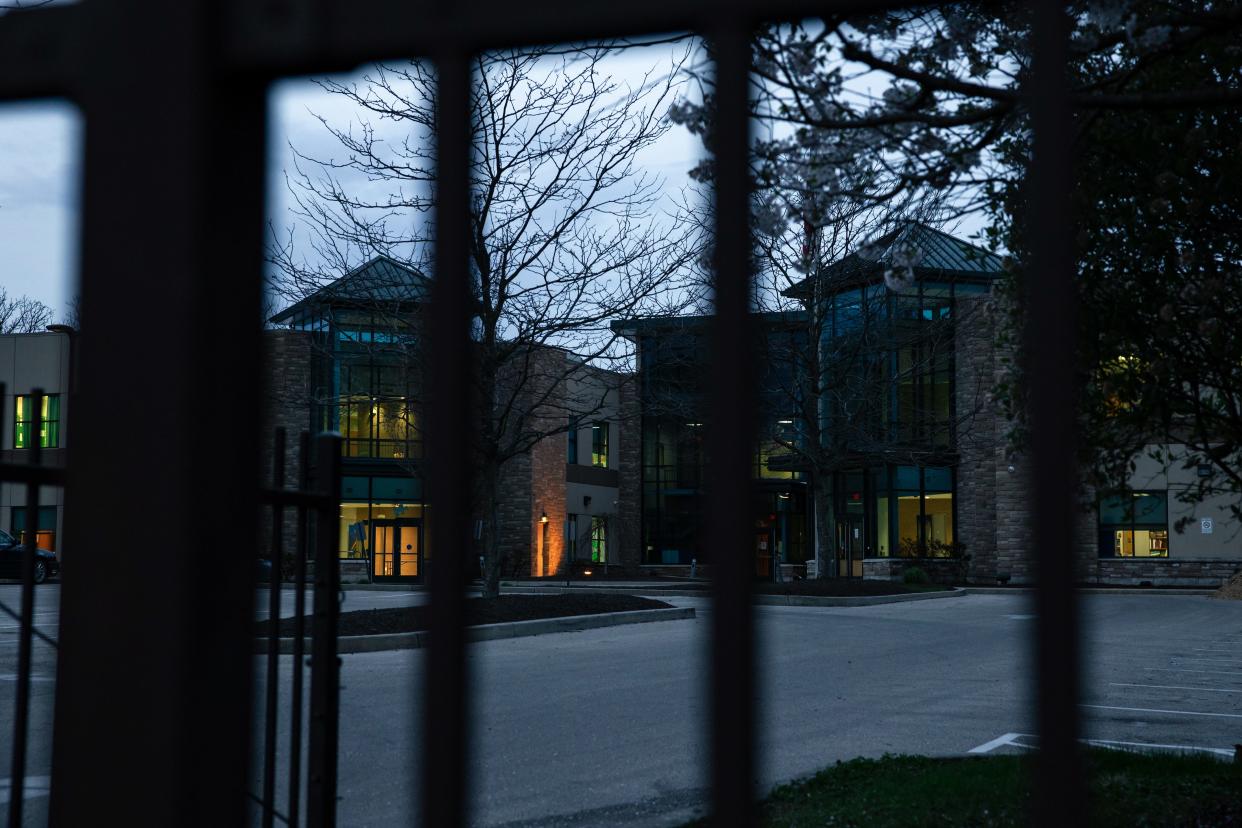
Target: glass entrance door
850	548
397	548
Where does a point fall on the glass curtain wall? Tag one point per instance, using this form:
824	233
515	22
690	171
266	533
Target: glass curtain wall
367	385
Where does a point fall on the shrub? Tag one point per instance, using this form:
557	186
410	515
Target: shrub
914	575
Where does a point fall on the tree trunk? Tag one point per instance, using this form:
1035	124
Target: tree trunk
492	553
825	531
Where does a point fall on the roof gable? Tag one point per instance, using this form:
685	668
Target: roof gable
382	281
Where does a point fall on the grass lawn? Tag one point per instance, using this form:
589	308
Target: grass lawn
1126	789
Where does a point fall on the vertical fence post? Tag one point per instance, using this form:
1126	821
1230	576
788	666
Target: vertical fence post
450	424
1050	339
731	442
21	710
273	634
299	630
325	663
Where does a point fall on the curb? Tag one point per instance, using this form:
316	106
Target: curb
490	632
1093	591
760	600
523	589
854	601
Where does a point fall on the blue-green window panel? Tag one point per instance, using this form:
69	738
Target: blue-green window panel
46	519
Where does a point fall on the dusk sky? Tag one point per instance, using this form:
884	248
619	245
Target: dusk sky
40	178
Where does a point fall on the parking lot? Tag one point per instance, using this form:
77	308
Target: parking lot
606	727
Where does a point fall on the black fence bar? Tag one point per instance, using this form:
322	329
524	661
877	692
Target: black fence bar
154	697
273	635
445	701
1050	341
21	708
41	475
731	443
325	663
299	614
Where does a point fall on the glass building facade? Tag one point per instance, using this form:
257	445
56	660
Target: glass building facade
366	385
858	388
672	366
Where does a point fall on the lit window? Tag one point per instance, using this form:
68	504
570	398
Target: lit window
599	445
1134	525
599	539
45	527
23	422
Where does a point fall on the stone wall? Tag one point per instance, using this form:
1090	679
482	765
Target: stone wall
287	396
287	357
630	496
1211	572
978	431
940	570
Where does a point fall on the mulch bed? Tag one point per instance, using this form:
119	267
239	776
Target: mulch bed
479	611
1232	589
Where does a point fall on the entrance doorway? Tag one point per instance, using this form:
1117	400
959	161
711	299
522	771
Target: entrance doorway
397	548
765	549
850	547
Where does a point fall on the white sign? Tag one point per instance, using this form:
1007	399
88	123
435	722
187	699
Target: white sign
1205	525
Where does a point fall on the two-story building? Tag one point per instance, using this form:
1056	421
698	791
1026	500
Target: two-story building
28	362
880	443
349	358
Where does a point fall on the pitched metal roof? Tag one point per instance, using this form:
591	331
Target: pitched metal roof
381	281
933	250
932	254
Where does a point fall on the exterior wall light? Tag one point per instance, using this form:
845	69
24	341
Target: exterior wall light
543	517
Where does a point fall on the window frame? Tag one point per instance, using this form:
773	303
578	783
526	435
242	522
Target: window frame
49	437
599	444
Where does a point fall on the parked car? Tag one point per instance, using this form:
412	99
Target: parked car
13	553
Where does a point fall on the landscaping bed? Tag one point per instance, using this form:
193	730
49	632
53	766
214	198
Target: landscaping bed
1125	789
479	611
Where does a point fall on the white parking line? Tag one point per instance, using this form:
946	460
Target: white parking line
13	677
999	741
1175	687
1171	712
35	786
1181	670
1011	740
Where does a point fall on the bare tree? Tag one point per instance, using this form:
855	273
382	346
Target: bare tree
567	230
21	314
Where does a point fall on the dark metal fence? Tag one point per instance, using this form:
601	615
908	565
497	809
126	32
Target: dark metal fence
34	475
180	217
317	494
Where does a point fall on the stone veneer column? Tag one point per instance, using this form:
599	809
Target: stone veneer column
287	357
629	507
978	432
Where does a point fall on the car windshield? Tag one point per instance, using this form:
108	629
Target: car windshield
5	537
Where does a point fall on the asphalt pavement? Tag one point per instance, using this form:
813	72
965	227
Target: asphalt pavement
607	727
